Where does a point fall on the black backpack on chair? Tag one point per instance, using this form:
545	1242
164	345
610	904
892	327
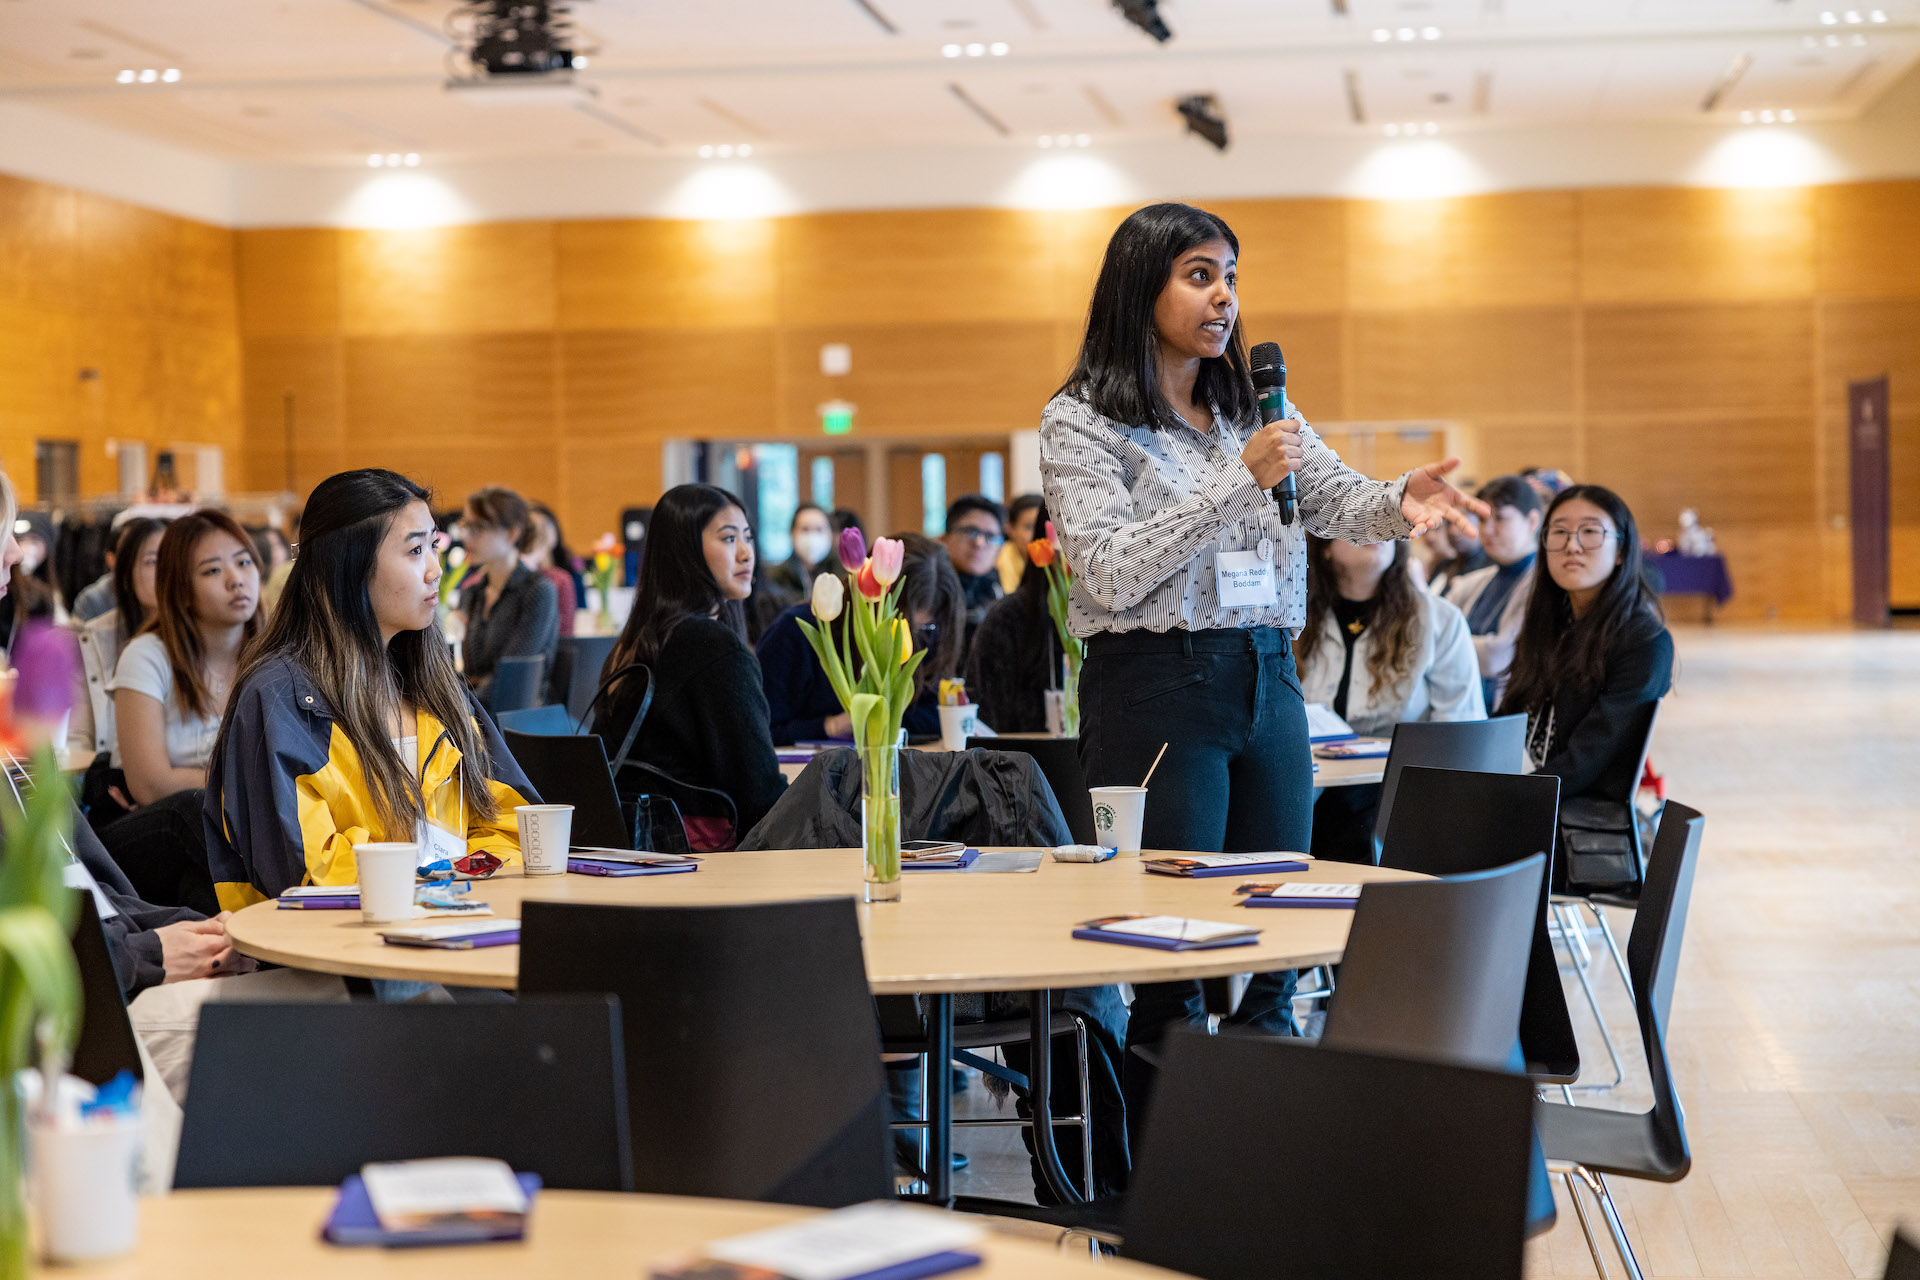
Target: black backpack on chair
653	816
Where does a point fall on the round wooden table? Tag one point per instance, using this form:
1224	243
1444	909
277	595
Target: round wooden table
950	932
212	1235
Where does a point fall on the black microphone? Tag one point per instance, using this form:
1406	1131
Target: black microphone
1270	385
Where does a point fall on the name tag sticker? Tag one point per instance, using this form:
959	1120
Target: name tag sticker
438	844
1242	580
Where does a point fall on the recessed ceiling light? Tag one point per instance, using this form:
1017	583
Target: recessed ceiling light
1404	33
1828	18
1429	33
125	77
1382	34
706	153
1746	117
171	75
579	62
149	76
976	49
1082	139
1062	139
724	151
393	160
1878	15
413	160
374	162
1853	15
999	48
1766	117
1858	39
1046	140
1833	42
1393	131
1787	116
949	50
744	149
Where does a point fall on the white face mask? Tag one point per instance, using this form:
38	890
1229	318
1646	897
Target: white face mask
812	547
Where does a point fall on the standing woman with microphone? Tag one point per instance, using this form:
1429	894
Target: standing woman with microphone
1189	580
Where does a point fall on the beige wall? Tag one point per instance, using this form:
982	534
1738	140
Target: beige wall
1683	346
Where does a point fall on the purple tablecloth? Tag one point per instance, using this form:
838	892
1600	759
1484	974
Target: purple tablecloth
1692	576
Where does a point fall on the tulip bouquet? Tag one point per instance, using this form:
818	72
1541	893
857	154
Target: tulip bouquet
605	548
1045	554
39	980
871	668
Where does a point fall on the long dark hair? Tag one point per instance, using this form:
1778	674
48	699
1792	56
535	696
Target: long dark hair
1395	626
126	561
1118	369
675	581
562	554
1554	648
175	618
930	585
325	623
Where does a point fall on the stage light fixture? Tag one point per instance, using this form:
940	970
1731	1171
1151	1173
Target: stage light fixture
1203	116
1145	14
517	37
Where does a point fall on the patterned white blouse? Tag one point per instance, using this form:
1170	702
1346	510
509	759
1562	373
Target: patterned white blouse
1141	511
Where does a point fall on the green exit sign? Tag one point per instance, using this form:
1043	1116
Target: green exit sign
836	417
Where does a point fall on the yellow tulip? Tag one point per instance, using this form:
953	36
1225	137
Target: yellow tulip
905	633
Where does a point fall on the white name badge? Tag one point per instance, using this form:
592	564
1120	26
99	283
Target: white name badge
1242	580
437	844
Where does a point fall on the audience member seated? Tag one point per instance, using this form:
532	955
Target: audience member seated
812	533
1378	650
30	591
96	597
545	552
705	723
170	687
508	610
274	577
348	723
90	734
800	699
1450	553
1015	656
1023	522
1592	654
1494	598
976	528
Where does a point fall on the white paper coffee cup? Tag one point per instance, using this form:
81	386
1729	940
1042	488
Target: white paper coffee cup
1117	815
546	833
386	880
86	1188
957	724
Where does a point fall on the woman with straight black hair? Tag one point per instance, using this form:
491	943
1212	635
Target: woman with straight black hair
348	723
683	711
1188	582
90	733
1592	660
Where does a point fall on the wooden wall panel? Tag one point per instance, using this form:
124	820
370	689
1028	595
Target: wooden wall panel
1458	363
1676	245
1293	254
454	394
635	274
295	387
599	478
1755	356
122	255
1314	351
928	379
495	278
290	282
1078	246
1735	470
1480	251
1869	246
915	267
638	383
39	242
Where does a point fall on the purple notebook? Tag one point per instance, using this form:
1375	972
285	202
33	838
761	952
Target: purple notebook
353	1221
344	902
1338	904
1196	868
961	863
933	1264
612	867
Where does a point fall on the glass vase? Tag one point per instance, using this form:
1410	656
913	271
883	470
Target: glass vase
1070	691
15	1260
880	821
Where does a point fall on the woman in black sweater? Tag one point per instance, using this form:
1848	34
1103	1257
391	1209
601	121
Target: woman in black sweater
510	611
705	726
1015	656
1591	663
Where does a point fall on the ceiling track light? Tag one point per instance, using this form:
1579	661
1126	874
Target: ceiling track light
1145	14
1202	113
1724	85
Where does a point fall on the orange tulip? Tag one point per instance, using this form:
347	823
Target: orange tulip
869	585
1041	552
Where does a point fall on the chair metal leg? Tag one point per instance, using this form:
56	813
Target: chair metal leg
1606	1036
1586	1226
1086	1110
1567	924
1620	1241
1613	943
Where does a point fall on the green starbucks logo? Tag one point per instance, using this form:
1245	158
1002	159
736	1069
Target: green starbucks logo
1103	816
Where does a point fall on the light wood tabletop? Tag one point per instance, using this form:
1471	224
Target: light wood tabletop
209	1235
1328	773
951	931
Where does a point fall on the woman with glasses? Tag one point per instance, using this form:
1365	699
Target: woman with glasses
1592	658
800	698
682	710
508	609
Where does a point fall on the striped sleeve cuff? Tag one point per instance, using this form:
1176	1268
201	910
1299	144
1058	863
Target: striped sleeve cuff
1398	523
1234	493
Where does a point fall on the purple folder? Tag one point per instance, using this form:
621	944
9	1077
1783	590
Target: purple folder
353	1221
961	863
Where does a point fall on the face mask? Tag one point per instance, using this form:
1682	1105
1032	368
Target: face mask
812	547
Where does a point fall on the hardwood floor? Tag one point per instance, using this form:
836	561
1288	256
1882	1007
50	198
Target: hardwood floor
1796	1019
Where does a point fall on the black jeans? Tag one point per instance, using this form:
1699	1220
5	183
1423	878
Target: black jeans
1237	778
163	849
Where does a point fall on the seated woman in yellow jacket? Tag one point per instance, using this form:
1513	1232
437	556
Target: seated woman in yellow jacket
348	723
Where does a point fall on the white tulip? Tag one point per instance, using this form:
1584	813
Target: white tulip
829	597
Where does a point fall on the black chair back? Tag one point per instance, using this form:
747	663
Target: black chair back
549	721
1447	822
303	1094
1436	969
572	769
516	683
1498	745
753	1056
1263	1156
1620	814
106	1045
1653	960
1903	1260
589	656
1059	761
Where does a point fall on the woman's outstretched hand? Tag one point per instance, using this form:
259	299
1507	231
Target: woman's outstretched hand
1429	499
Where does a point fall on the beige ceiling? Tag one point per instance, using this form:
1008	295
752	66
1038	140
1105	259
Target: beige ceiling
329	81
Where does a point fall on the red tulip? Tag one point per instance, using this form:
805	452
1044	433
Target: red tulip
1041	552
869	585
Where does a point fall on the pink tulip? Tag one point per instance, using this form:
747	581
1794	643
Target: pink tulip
853	549
888	555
